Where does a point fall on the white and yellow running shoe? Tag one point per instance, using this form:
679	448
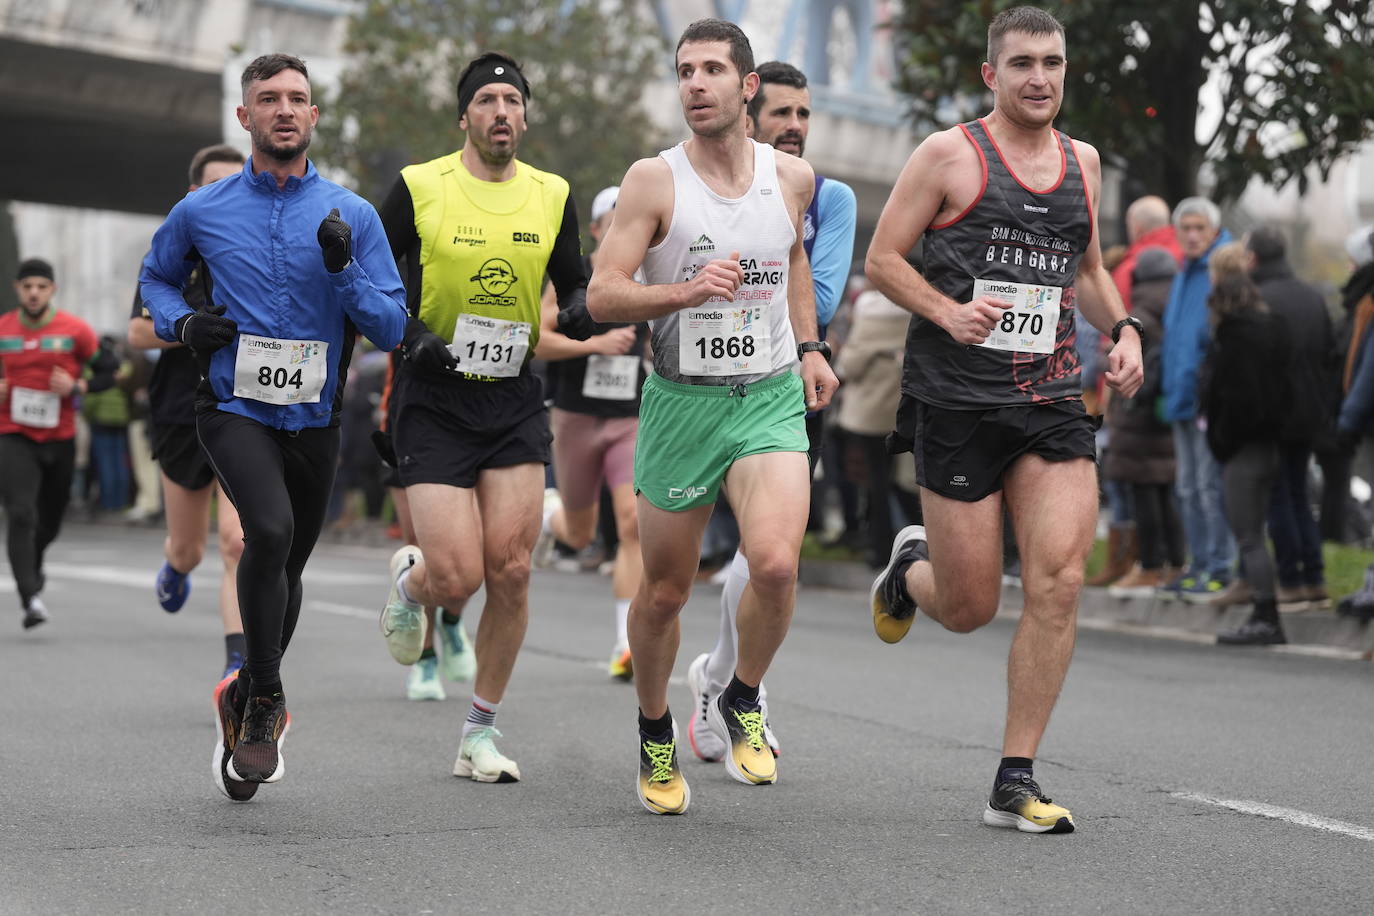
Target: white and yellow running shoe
1019	803
661	786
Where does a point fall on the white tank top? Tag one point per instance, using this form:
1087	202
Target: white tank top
723	342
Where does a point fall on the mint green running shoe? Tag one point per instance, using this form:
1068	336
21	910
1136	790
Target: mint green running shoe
423	682
479	759
403	623
459	660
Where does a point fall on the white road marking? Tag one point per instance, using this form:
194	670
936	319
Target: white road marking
342	610
1291	815
348	610
143	578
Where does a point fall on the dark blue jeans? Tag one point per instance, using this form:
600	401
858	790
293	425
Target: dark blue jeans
1297	539
110	455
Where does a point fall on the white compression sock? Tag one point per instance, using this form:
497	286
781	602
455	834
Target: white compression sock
401	582
622	622
723	657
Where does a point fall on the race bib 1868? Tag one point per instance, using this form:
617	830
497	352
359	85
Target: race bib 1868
723	339
35	409
280	372
1031	318
490	346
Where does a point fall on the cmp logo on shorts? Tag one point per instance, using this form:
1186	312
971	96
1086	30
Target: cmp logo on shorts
686	492
702	245
495	278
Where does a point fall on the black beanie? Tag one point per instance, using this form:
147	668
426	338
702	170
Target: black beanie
34	267
487	69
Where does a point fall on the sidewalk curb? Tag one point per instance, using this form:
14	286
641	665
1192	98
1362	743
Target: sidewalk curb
1147	616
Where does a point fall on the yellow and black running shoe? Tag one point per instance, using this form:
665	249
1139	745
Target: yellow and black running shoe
748	757
662	788
893	609
1019	803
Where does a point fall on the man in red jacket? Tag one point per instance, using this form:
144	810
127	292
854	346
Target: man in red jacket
42	351
1147	226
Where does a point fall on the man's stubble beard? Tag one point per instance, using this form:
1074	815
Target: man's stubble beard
263	144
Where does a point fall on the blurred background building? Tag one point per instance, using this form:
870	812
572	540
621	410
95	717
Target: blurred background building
103	103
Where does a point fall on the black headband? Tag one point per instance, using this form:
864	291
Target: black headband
35	267
487	72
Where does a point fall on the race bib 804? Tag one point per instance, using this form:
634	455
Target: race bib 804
280	372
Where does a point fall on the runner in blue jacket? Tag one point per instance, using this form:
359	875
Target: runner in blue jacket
298	266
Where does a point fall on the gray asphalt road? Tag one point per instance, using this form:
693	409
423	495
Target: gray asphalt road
1202	780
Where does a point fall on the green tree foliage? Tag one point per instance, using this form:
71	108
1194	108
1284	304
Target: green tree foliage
1296	80
587	62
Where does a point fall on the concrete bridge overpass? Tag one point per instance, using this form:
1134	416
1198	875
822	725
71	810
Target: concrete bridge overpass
104	102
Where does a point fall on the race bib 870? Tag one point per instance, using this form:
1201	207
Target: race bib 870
1031	318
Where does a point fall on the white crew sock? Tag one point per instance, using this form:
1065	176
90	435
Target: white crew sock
482	714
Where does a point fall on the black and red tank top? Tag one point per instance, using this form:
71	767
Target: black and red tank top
1017	242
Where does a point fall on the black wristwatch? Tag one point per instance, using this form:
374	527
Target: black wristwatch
1133	322
814	346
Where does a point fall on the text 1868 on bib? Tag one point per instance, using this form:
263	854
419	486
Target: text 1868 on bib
1031	318
280	372
721	338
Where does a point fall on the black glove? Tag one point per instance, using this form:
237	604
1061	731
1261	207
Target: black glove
381	441
425	349
206	331
573	318
336	241
1347	441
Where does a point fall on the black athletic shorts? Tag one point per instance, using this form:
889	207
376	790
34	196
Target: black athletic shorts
448	430
815	439
964	454
177	450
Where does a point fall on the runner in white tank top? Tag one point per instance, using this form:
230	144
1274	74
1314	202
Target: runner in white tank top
707	226
715	225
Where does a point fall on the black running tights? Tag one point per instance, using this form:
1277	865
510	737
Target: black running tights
280	483
35	486
1247	480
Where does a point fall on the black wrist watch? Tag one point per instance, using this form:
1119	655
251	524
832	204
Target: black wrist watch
1133	322
814	346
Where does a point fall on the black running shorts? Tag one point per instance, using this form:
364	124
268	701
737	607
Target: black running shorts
448	430
177	450
964	454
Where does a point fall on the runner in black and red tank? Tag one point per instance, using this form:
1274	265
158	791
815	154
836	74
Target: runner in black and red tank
1011	237
990	388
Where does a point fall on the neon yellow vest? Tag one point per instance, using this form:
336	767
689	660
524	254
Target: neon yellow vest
484	245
